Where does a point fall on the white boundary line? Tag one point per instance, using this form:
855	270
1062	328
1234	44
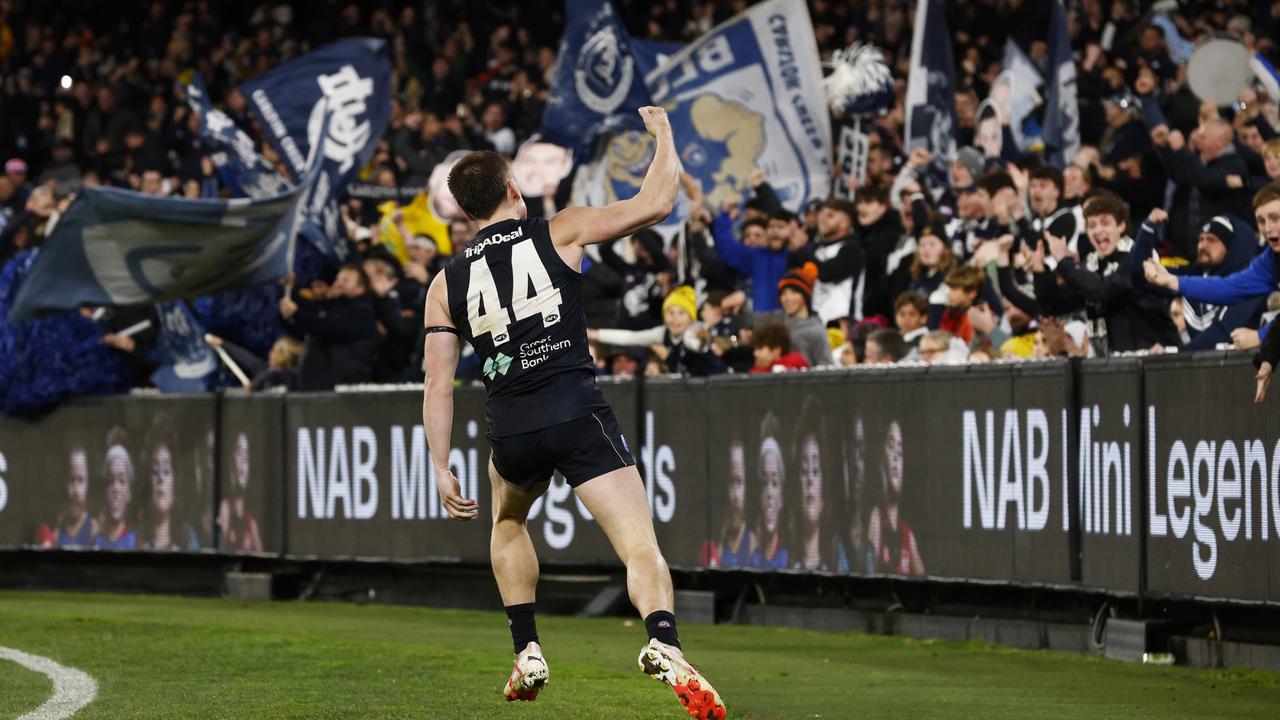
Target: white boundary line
72	689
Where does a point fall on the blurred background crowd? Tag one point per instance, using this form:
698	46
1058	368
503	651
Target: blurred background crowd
1005	258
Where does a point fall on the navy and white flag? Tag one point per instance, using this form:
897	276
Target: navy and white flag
651	54
120	247
352	78
746	95
931	87
596	84
1020	83
187	363
236	158
1062	114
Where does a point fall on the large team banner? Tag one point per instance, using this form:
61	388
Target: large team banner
1129	476
335	100
121	474
931	87
746	95
120	247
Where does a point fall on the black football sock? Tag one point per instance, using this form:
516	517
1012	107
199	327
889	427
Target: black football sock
524	629
662	627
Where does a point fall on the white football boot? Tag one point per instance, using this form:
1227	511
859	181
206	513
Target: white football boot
528	676
663	662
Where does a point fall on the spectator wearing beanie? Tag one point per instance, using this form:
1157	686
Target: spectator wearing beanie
679	344
1225	247
808	332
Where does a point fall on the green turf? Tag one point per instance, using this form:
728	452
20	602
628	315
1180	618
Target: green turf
159	657
20	689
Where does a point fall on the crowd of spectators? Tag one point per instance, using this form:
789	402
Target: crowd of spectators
1006	257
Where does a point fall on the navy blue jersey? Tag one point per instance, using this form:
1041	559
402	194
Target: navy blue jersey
520	306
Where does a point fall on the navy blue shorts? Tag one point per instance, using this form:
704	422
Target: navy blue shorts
580	449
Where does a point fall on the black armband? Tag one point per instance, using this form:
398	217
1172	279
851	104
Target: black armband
441	328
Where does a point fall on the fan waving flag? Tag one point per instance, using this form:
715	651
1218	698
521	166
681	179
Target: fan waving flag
120	247
352	78
188	363
931	87
242	169
596	84
1062	114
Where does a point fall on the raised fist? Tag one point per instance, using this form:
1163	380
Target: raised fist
655	119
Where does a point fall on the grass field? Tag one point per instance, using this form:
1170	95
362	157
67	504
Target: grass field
161	657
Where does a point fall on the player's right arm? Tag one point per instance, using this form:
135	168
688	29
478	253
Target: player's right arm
582	226
441	354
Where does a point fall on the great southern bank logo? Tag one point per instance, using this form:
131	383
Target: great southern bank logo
497	365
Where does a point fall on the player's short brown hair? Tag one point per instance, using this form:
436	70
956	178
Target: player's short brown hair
479	182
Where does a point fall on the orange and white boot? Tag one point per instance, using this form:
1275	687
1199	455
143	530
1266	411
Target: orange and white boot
666	663
528	676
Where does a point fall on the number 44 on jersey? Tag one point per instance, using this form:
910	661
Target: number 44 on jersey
531	294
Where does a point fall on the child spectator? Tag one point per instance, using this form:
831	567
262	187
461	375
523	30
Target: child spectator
964	285
679	344
808	333
772	346
911	315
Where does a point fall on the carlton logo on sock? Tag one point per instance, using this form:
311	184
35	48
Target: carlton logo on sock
664	624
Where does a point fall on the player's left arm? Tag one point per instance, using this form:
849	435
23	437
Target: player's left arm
442	348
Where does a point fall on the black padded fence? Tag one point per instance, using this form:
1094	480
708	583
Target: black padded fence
1154	477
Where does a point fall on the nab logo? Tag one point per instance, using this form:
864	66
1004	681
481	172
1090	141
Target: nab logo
496	365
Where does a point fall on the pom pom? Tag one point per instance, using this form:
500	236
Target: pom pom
860	82
44	361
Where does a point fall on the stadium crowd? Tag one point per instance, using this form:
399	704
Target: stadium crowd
1004	258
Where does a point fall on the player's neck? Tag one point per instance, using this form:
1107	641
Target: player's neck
505	212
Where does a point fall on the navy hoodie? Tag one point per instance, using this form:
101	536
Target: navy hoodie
1210	316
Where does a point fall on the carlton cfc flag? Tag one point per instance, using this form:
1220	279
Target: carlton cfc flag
931	87
352	78
188	364
746	95
596	84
